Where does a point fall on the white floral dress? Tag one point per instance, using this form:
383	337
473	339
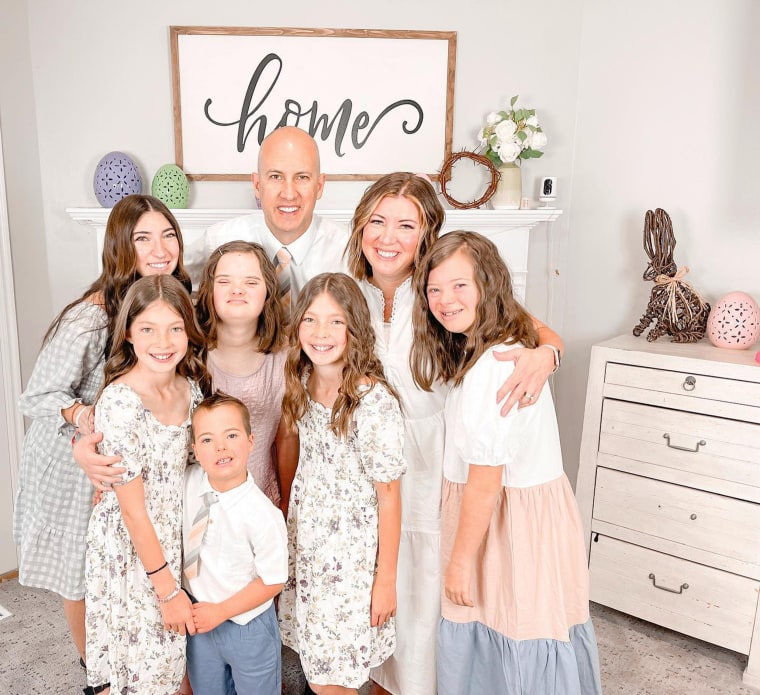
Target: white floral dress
126	641
333	534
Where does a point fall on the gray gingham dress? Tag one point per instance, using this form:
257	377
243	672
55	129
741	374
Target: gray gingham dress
54	499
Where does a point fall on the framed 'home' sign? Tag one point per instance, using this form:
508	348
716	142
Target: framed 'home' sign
375	101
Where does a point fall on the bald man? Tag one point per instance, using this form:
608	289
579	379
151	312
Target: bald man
288	184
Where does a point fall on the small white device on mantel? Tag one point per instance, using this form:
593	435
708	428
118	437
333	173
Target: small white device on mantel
548	192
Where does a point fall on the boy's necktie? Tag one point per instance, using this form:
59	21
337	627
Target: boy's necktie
197	534
283	270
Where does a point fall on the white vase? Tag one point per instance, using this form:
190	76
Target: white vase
508	189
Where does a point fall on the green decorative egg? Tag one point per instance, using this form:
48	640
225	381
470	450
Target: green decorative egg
170	186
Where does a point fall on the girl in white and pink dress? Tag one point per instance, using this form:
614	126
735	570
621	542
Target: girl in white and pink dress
515	610
241	314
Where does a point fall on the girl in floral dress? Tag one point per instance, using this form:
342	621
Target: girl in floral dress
54	499
515	607
136	613
344	519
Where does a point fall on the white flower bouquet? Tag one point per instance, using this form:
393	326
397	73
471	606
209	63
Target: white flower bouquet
512	134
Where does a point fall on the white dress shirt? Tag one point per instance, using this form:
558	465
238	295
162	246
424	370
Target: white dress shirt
318	250
245	539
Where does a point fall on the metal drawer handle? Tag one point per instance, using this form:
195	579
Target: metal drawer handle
693	517
665	588
700	443
689	384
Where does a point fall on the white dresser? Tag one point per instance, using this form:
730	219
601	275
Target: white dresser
669	488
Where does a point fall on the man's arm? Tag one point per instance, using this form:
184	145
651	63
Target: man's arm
101	470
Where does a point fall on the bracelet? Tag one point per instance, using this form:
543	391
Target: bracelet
78	415
172	595
557	356
166	564
77	409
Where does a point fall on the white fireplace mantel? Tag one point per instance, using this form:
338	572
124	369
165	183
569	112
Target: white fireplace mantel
508	229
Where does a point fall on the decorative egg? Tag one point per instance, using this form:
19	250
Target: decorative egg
734	322
116	177
170	185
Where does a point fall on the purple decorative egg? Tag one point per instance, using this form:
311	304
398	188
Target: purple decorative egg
116	177
734	322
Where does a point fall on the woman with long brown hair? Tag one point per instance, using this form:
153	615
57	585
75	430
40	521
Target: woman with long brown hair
54	498
397	220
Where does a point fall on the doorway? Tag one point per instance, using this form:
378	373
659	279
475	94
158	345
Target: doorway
11	422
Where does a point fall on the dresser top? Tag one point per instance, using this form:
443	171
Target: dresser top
742	362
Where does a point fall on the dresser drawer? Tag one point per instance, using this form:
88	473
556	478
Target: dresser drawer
684	384
700	601
694	518
701	444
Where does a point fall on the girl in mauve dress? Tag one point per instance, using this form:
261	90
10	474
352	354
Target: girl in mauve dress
240	312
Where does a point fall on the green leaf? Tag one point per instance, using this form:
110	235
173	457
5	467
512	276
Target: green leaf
504	115
522	135
513	100
495	160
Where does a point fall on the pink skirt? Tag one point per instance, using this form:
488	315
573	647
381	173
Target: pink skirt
531	578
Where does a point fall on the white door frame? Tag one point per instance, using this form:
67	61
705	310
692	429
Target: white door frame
12	426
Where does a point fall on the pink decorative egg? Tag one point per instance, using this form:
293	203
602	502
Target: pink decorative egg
734	322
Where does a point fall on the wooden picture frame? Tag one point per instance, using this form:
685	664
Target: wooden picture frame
375	101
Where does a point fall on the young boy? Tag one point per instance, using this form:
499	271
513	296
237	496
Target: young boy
236	558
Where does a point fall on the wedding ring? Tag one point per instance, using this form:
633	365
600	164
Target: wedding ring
528	396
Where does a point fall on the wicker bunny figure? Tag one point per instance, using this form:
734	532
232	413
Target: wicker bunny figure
674	306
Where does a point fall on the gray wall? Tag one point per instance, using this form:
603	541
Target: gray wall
18	121
645	104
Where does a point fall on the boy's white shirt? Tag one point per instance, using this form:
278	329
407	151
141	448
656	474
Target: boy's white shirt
245	539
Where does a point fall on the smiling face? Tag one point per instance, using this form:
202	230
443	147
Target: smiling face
158	338
452	294
222	445
390	239
288	182
156	245
322	332
239	288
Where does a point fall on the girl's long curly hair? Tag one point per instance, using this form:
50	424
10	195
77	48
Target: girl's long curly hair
402	184
271	326
143	293
361	363
438	354
119	260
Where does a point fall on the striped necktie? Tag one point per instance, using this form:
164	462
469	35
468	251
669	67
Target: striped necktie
197	534
283	270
